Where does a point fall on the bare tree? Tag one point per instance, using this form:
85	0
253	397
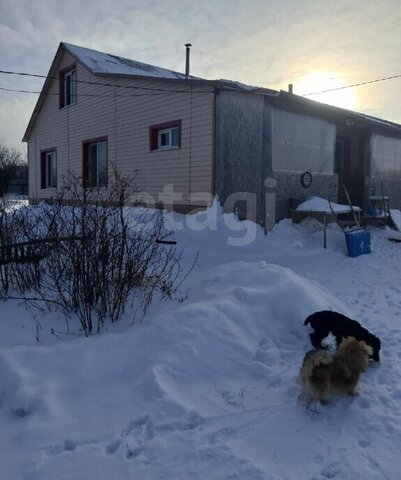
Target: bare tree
11	160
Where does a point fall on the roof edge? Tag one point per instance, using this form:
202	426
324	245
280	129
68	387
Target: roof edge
362	117
42	96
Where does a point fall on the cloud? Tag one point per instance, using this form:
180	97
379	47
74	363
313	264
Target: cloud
262	42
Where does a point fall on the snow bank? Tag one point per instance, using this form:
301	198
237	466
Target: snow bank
237	346
207	389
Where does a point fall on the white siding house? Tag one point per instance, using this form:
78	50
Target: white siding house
199	138
97	109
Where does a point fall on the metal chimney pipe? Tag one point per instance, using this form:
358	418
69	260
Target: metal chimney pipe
188	45
290	88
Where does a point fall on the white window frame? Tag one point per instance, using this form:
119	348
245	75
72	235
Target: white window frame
104	167
51	168
169	146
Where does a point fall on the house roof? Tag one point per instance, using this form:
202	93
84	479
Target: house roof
337	113
100	63
106	63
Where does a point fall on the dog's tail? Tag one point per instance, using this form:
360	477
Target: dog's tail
315	365
308	320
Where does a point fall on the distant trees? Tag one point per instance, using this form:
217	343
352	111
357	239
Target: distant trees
12	165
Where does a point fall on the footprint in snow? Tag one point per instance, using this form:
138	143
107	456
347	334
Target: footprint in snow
68	446
134	424
191	421
334	470
363	442
113	446
222	435
133	453
141	430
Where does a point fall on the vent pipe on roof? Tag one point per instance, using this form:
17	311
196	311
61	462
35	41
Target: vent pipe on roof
290	88
188	45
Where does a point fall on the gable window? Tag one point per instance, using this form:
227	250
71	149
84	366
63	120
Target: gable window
48	169
68	86
95	163
165	136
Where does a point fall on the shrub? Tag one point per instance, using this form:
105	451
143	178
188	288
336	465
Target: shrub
100	256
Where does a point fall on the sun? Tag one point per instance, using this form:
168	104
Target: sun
320	80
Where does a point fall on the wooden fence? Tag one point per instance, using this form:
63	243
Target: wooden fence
30	251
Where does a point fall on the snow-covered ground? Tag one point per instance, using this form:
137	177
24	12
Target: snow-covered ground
207	389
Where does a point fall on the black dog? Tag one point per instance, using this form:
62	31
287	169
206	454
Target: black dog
340	326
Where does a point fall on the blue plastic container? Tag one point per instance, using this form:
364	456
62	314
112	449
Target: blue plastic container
358	242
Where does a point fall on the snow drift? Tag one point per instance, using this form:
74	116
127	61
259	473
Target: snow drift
207	389
236	347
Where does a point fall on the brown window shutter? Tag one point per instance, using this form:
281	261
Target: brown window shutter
153	138
85	165
43	170
61	76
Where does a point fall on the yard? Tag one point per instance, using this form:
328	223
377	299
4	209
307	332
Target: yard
207	388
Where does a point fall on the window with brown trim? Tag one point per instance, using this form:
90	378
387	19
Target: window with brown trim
95	163
68	86
48	169
165	136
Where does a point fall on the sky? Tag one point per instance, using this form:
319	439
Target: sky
314	44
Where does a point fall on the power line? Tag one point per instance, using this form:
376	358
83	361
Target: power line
352	86
166	90
14	90
87	82
91	94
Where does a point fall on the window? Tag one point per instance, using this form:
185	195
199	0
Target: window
95	163
48	169
68	86
165	136
168	137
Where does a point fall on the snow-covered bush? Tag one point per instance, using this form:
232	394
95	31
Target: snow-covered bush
100	256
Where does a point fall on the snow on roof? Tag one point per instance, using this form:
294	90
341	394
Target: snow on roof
242	86
386	123
235	85
106	63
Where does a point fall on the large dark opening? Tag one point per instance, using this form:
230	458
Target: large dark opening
349	163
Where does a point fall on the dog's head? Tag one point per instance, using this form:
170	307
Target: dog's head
376	345
355	353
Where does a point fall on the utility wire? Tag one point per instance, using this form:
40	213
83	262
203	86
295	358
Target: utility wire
161	90
91	94
14	90
87	82
352	86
